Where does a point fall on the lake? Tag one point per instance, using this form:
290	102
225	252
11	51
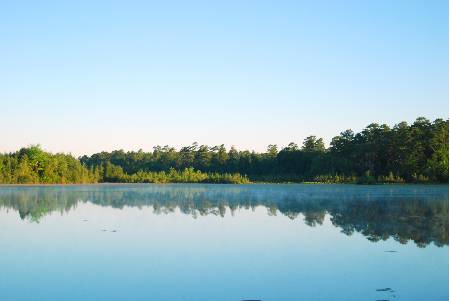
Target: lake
224	242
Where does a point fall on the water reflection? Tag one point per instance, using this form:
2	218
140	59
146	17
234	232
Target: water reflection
417	213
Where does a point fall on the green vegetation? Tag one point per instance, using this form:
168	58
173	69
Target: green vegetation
405	153
113	173
33	165
416	153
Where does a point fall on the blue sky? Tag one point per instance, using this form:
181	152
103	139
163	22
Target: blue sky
86	76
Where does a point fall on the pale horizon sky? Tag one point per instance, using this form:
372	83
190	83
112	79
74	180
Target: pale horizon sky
87	76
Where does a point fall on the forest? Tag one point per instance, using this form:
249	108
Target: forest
405	153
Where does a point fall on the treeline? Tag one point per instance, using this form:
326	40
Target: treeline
404	153
32	165
108	172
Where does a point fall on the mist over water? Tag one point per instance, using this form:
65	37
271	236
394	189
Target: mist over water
224	242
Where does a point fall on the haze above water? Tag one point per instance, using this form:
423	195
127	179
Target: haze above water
224	242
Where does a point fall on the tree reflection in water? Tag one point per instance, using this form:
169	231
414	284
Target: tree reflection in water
417	213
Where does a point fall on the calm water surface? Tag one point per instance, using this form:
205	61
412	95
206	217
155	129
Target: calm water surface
224	242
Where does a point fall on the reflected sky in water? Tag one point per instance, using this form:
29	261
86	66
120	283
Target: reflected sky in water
224	242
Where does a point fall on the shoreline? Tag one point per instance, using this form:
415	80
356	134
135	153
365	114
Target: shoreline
253	183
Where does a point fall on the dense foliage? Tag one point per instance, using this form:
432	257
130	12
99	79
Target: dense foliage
33	165
404	153
112	173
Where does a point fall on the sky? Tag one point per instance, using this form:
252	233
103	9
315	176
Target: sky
88	76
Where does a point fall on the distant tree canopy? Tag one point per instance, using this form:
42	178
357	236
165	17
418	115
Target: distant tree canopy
404	153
